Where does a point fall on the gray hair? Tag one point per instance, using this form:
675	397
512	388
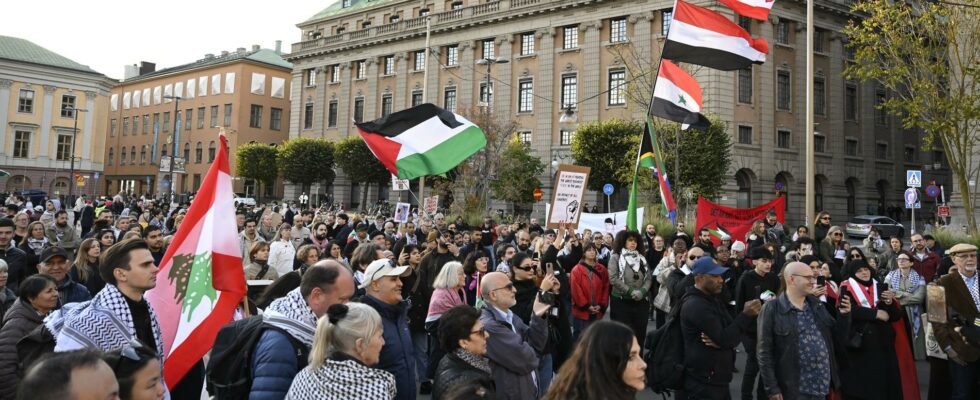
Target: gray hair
361	322
447	278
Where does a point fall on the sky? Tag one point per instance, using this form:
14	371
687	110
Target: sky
106	35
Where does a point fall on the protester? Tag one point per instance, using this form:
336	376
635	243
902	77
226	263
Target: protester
504	253
475	267
282	254
85	270
15	258
153	236
821	227
463	338
383	292
799	341
630	280
910	290
306	256
833	249
74	375
274	358
33	244
106	239
61	234
590	291
417	294
7	296
759	284
363	256
963	300
21	222
38	297
259	268
606	364
137	369
680	279
346	345
54	262
447	293
888	259
247	238
924	261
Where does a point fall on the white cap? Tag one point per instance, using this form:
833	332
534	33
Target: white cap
381	268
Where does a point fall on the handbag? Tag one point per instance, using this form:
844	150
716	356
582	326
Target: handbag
662	301
857	338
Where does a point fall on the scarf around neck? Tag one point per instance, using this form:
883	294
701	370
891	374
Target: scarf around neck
632	259
478	362
37	244
293	315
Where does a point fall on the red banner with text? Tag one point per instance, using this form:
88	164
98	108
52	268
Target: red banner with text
736	222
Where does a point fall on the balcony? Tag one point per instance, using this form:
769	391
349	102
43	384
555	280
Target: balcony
474	15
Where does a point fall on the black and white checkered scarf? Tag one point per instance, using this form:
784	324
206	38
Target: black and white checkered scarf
291	314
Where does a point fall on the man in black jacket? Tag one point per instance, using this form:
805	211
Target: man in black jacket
762	284
16	258
710	334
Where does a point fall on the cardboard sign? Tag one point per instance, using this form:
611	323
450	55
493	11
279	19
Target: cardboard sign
398	185
567	196
936	304
402	212
431	205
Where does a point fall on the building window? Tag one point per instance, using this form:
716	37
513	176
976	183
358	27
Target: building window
199	153
881	117
524	137
166	121
456	5
617	88
122	156
424	12
22	143
25	102
569	91
486	94
125	126
416	98
310	76
335	73
745	85
819	96
783	90
525	98
64	148
394	19
784	139
782	32
819	143
200	118
488	49
156	122
851	147
188	118
143	154
332	114
146	123
227	114
275	119
881	151
211	151
565	137
452	55
419	60
359	109
744	134
745	23
187	152
850	101
255	116
385	105
345	3
569	37
848	53
68	106
617	30
214	116
938	157
132	155
449	99
308	116
112	156
910	154
365	24
817	41
389	65
665	17
527	43
361	69
112	127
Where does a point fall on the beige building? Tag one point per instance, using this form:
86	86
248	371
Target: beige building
244	91
359	59
39	92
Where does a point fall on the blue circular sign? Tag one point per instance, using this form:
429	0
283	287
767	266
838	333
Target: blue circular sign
932	191
608	189
911	196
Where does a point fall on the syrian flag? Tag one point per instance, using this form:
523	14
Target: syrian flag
677	97
203	280
422	140
755	9
701	36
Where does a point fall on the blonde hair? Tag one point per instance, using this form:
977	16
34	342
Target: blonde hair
448	276
360	322
81	259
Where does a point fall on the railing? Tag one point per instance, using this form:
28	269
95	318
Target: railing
486	8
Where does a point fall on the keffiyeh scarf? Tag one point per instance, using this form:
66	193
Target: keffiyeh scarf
478	362
633	260
37	245
915	280
293	315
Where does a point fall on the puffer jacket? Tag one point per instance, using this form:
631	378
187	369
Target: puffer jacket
275	362
398	354
19	321
7	300
17	266
455	371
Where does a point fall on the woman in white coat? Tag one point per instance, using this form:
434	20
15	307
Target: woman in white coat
281	251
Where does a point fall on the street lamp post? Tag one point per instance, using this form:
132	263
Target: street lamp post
173	144
489	62
71	156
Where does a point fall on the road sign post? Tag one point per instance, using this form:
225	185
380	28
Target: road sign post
911	198
608	190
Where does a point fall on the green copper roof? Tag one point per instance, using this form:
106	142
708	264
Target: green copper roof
17	49
265	56
337	8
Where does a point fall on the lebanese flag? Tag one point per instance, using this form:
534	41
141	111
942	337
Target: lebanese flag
677	97
204	280
703	37
422	140
755	9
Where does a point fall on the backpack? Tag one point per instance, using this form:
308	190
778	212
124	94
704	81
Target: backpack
229	375
665	354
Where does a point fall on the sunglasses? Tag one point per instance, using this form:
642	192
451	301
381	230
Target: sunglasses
525	269
838	234
481	332
825	219
509	286
692	258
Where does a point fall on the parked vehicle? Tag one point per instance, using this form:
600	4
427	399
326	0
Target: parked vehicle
860	226
243	199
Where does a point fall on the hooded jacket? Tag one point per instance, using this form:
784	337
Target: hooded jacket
398	354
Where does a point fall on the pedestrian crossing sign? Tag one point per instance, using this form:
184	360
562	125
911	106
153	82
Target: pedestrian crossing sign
913	178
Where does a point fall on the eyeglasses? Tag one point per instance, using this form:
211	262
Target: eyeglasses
692	258
481	332
825	219
807	277
904	259
838	234
972	255
509	286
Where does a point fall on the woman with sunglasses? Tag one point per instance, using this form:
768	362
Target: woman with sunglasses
464	340
137	370
447	292
834	249
821	226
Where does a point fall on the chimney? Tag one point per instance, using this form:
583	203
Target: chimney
147	67
256	47
209	56
130	71
279	47
240	50
224	53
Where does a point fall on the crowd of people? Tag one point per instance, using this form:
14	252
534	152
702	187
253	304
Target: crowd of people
362	307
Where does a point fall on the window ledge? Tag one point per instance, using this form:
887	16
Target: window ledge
823	155
786	46
450	66
614	44
310	86
391	75
854	158
880	161
616	106
821	53
745	146
333	83
526	56
418	71
525	113
786	151
572	50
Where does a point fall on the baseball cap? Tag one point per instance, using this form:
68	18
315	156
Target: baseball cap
738	246
53	251
382	268
707	266
361	226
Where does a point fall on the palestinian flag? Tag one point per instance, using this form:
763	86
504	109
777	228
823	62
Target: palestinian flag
677	97
422	140
719	232
755	9
201	280
703	37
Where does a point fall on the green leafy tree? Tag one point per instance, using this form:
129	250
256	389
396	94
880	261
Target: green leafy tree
306	161
926	55
516	176
609	148
256	161
360	164
705	157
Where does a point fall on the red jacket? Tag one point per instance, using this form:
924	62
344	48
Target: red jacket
585	288
928	266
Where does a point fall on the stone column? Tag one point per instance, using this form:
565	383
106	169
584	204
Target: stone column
588	79
296	110
502	104
465	97
345	101
543	138
320	102
87	133
45	132
642	40
402	93
371	103
765	100
5	85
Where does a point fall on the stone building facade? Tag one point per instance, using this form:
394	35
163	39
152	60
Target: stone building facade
360	59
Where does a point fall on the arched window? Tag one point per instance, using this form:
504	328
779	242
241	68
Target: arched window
143	154
198	153
744	182
132	152
111	156
122	156
211	152
851	185
187	152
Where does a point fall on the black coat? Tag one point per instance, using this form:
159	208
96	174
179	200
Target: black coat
19	321
7	300
872	371
17	266
702	313
453	371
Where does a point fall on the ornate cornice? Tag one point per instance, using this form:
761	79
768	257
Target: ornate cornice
48	89
6	83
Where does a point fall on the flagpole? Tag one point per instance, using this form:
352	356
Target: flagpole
810	186
425	92
653	93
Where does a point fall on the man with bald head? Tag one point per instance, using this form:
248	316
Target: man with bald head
679	279
513	346
795	365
